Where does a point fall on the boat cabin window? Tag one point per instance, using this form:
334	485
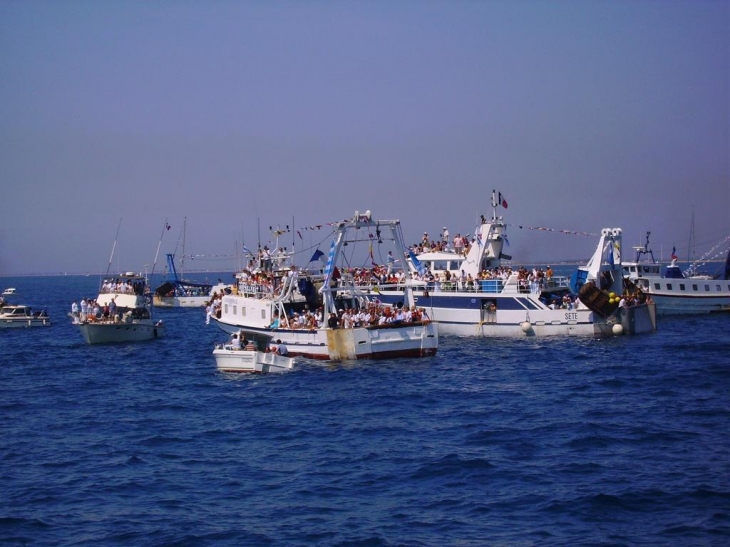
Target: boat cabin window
669	286
707	288
681	286
235	310
657	286
694	287
225	308
440	265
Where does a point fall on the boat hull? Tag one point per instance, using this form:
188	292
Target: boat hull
180	301
414	340
115	332
673	304
253	362
20	323
485	314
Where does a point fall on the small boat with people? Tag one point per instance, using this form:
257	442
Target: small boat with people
252	352
471	289
122	312
19	316
327	313
681	292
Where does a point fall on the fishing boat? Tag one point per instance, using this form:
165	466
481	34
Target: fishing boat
473	293
178	292
17	316
313	312
252	352
680	292
122	312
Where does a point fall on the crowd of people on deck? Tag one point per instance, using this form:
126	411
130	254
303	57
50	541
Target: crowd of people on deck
90	310
123	286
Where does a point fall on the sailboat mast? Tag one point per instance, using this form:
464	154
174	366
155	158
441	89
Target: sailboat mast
690	249
114	246
182	262
159	243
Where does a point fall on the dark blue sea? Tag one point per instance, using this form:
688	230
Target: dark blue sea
624	441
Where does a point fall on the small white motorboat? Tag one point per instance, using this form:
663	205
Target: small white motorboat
251	352
22	316
10	291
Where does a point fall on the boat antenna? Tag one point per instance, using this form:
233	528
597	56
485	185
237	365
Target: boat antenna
159	243
114	246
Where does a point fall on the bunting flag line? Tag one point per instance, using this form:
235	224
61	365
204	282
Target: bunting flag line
542	229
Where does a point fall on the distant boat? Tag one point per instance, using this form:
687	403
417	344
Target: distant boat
9	291
674	291
16	316
180	293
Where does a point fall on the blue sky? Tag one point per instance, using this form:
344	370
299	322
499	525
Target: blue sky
243	115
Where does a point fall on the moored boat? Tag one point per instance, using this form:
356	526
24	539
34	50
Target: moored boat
328	315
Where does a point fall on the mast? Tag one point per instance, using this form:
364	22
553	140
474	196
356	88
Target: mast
114	246
182	262
159	243
690	249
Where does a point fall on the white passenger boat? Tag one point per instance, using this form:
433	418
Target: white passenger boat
251	351
474	294
124	312
675	291
266	299
16	316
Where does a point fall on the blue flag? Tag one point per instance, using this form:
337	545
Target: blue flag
317	255
420	268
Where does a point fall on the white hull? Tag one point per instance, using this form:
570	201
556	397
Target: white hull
180	301
416	340
515	315
228	359
680	305
113	332
19	323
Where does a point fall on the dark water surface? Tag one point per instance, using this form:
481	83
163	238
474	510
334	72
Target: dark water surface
492	442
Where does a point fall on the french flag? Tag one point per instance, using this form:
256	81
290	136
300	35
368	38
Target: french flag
502	201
